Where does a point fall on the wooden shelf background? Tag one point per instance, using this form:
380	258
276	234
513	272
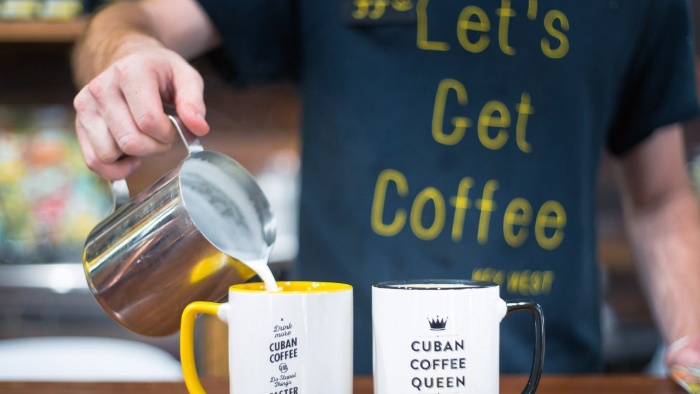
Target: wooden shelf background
41	31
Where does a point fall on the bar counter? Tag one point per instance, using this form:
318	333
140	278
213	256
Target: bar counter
550	384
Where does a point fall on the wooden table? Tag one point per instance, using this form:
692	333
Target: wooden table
554	384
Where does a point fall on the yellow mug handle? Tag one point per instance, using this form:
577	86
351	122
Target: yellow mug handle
189	368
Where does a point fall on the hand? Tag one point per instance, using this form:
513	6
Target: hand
684	352
119	114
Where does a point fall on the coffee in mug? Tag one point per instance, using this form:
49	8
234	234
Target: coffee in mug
297	339
442	336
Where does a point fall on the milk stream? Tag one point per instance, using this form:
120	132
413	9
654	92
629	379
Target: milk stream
263	270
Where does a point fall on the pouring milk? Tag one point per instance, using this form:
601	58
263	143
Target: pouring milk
229	218
185	237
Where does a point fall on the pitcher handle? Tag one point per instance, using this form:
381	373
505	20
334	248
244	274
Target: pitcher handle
120	193
120	190
188	138
538	355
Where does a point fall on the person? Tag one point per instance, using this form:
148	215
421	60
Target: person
440	140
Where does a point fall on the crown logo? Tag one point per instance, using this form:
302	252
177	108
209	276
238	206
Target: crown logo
437	324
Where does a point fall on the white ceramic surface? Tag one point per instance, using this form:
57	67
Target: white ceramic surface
436	340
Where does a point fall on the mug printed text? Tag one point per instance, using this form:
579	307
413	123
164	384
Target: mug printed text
430	364
283	352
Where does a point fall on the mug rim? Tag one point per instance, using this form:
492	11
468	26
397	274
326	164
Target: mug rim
291	287
434	284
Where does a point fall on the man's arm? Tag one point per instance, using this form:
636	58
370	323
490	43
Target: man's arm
663	222
130	61
124	27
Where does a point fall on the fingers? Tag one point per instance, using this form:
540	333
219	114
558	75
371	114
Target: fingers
109	168
120	117
92	130
108	139
137	130
143	97
685	351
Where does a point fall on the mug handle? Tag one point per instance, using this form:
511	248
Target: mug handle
189	368
538	356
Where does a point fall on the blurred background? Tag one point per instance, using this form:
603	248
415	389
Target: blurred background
49	201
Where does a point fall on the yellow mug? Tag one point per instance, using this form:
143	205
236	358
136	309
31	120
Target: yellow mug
294	340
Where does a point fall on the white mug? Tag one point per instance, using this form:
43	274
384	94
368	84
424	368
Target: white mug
297	340
442	336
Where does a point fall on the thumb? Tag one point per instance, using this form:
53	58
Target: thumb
193	117
189	100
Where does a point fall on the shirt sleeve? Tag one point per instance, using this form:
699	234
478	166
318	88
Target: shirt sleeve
261	39
660	86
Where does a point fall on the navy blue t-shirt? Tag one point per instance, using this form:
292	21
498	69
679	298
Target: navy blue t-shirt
461	139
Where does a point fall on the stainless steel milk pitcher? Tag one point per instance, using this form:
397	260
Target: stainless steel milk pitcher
184	238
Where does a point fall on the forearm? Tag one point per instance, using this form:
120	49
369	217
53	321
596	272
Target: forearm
111	34
666	243
663	223
124	28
